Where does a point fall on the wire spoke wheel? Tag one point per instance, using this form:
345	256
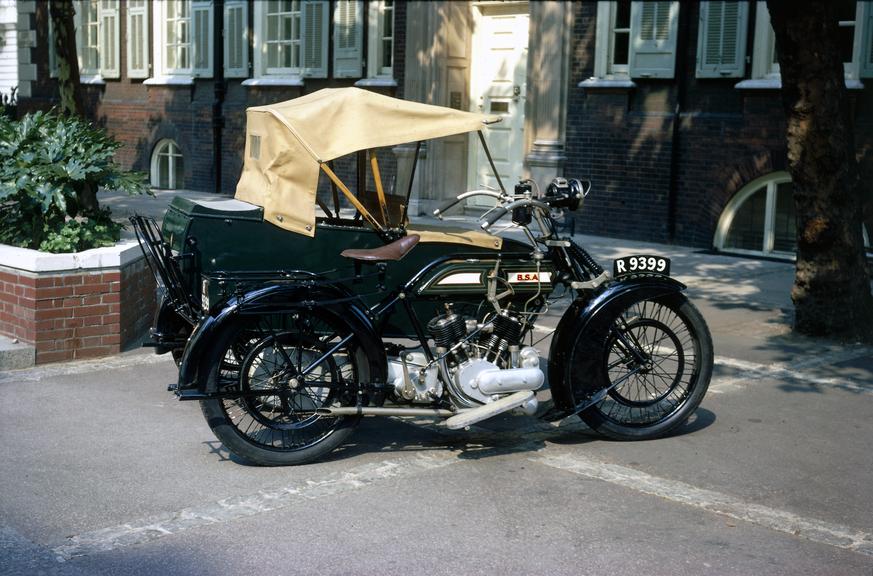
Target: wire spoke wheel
284	371
659	356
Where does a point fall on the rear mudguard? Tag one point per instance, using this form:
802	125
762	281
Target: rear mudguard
584	327
214	333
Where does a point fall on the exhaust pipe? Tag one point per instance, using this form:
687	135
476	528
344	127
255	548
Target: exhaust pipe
436	413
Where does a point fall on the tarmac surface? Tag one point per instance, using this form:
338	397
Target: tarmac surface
104	472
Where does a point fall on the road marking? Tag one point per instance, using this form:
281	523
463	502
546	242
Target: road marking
154	527
751	371
810	529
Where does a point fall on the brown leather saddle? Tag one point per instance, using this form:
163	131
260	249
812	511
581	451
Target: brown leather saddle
389	252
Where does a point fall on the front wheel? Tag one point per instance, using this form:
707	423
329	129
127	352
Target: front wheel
658	362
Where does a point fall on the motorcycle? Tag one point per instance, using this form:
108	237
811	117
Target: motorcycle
289	328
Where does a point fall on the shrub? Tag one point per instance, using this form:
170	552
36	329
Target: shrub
50	169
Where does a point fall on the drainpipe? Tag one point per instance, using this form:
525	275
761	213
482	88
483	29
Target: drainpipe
220	90
681	94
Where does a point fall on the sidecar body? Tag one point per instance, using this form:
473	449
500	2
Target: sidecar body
276	229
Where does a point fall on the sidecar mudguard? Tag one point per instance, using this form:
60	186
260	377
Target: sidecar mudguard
585	327
213	333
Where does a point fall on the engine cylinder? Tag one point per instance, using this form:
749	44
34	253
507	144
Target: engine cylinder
507	331
447	329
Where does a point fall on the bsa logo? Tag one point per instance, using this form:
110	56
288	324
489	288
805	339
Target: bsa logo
530	277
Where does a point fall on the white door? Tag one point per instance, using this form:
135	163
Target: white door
499	88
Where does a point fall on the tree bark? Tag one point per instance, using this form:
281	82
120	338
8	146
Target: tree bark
62	15
831	290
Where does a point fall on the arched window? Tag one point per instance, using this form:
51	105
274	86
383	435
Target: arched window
760	219
167	166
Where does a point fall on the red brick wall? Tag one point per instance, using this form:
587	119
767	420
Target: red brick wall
72	315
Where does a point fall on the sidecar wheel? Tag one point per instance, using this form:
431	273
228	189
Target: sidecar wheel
273	421
659	395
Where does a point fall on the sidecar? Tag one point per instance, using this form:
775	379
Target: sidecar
277	229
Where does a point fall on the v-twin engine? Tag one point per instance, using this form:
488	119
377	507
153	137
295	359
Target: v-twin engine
482	362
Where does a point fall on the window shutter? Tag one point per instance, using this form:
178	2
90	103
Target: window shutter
348	38
315	26
236	41
110	43
721	39
654	27
137	39
201	40
867	46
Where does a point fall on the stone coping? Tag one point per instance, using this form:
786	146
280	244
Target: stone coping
34	261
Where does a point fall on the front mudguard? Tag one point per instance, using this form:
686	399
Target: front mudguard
582	333
214	333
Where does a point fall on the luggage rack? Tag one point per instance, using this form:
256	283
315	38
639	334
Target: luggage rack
164	266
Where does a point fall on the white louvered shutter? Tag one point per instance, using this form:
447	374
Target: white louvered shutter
867	45
201	39
721	39
236	41
110	43
654	27
315	32
348	38
137	39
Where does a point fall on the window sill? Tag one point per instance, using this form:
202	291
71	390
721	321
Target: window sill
92	79
169	81
384	82
285	81
776	84
607	84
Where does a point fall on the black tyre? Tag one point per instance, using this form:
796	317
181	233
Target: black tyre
274	420
658	356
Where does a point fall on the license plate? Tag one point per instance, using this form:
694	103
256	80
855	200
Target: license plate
641	264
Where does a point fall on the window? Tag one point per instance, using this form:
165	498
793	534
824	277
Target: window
236	39
137	39
97	39
294	35
168	172
721	39
183	32
348	38
854	42
636	39
760	218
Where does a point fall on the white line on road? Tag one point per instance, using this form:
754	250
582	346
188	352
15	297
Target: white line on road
811	529
751	371
154	527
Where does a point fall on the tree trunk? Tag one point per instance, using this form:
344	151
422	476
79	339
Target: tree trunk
62	15
831	291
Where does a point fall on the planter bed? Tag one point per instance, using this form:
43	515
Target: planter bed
71	306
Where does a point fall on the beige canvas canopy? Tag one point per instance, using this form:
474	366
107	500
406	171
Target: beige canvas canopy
287	143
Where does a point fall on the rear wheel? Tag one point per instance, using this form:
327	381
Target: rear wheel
282	379
658	360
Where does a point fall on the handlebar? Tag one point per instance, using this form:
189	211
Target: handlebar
439	211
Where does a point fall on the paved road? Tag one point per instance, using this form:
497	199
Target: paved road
104	473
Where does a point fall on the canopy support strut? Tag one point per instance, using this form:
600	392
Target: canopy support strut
351	197
491	161
411	180
380	192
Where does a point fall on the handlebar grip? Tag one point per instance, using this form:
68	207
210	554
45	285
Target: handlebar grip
439	211
493	217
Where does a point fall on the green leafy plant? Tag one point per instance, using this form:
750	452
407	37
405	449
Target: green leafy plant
50	169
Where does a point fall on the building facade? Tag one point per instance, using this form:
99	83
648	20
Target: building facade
671	109
8	49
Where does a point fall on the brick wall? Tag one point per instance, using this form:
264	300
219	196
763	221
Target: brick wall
139	116
623	140
73	315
